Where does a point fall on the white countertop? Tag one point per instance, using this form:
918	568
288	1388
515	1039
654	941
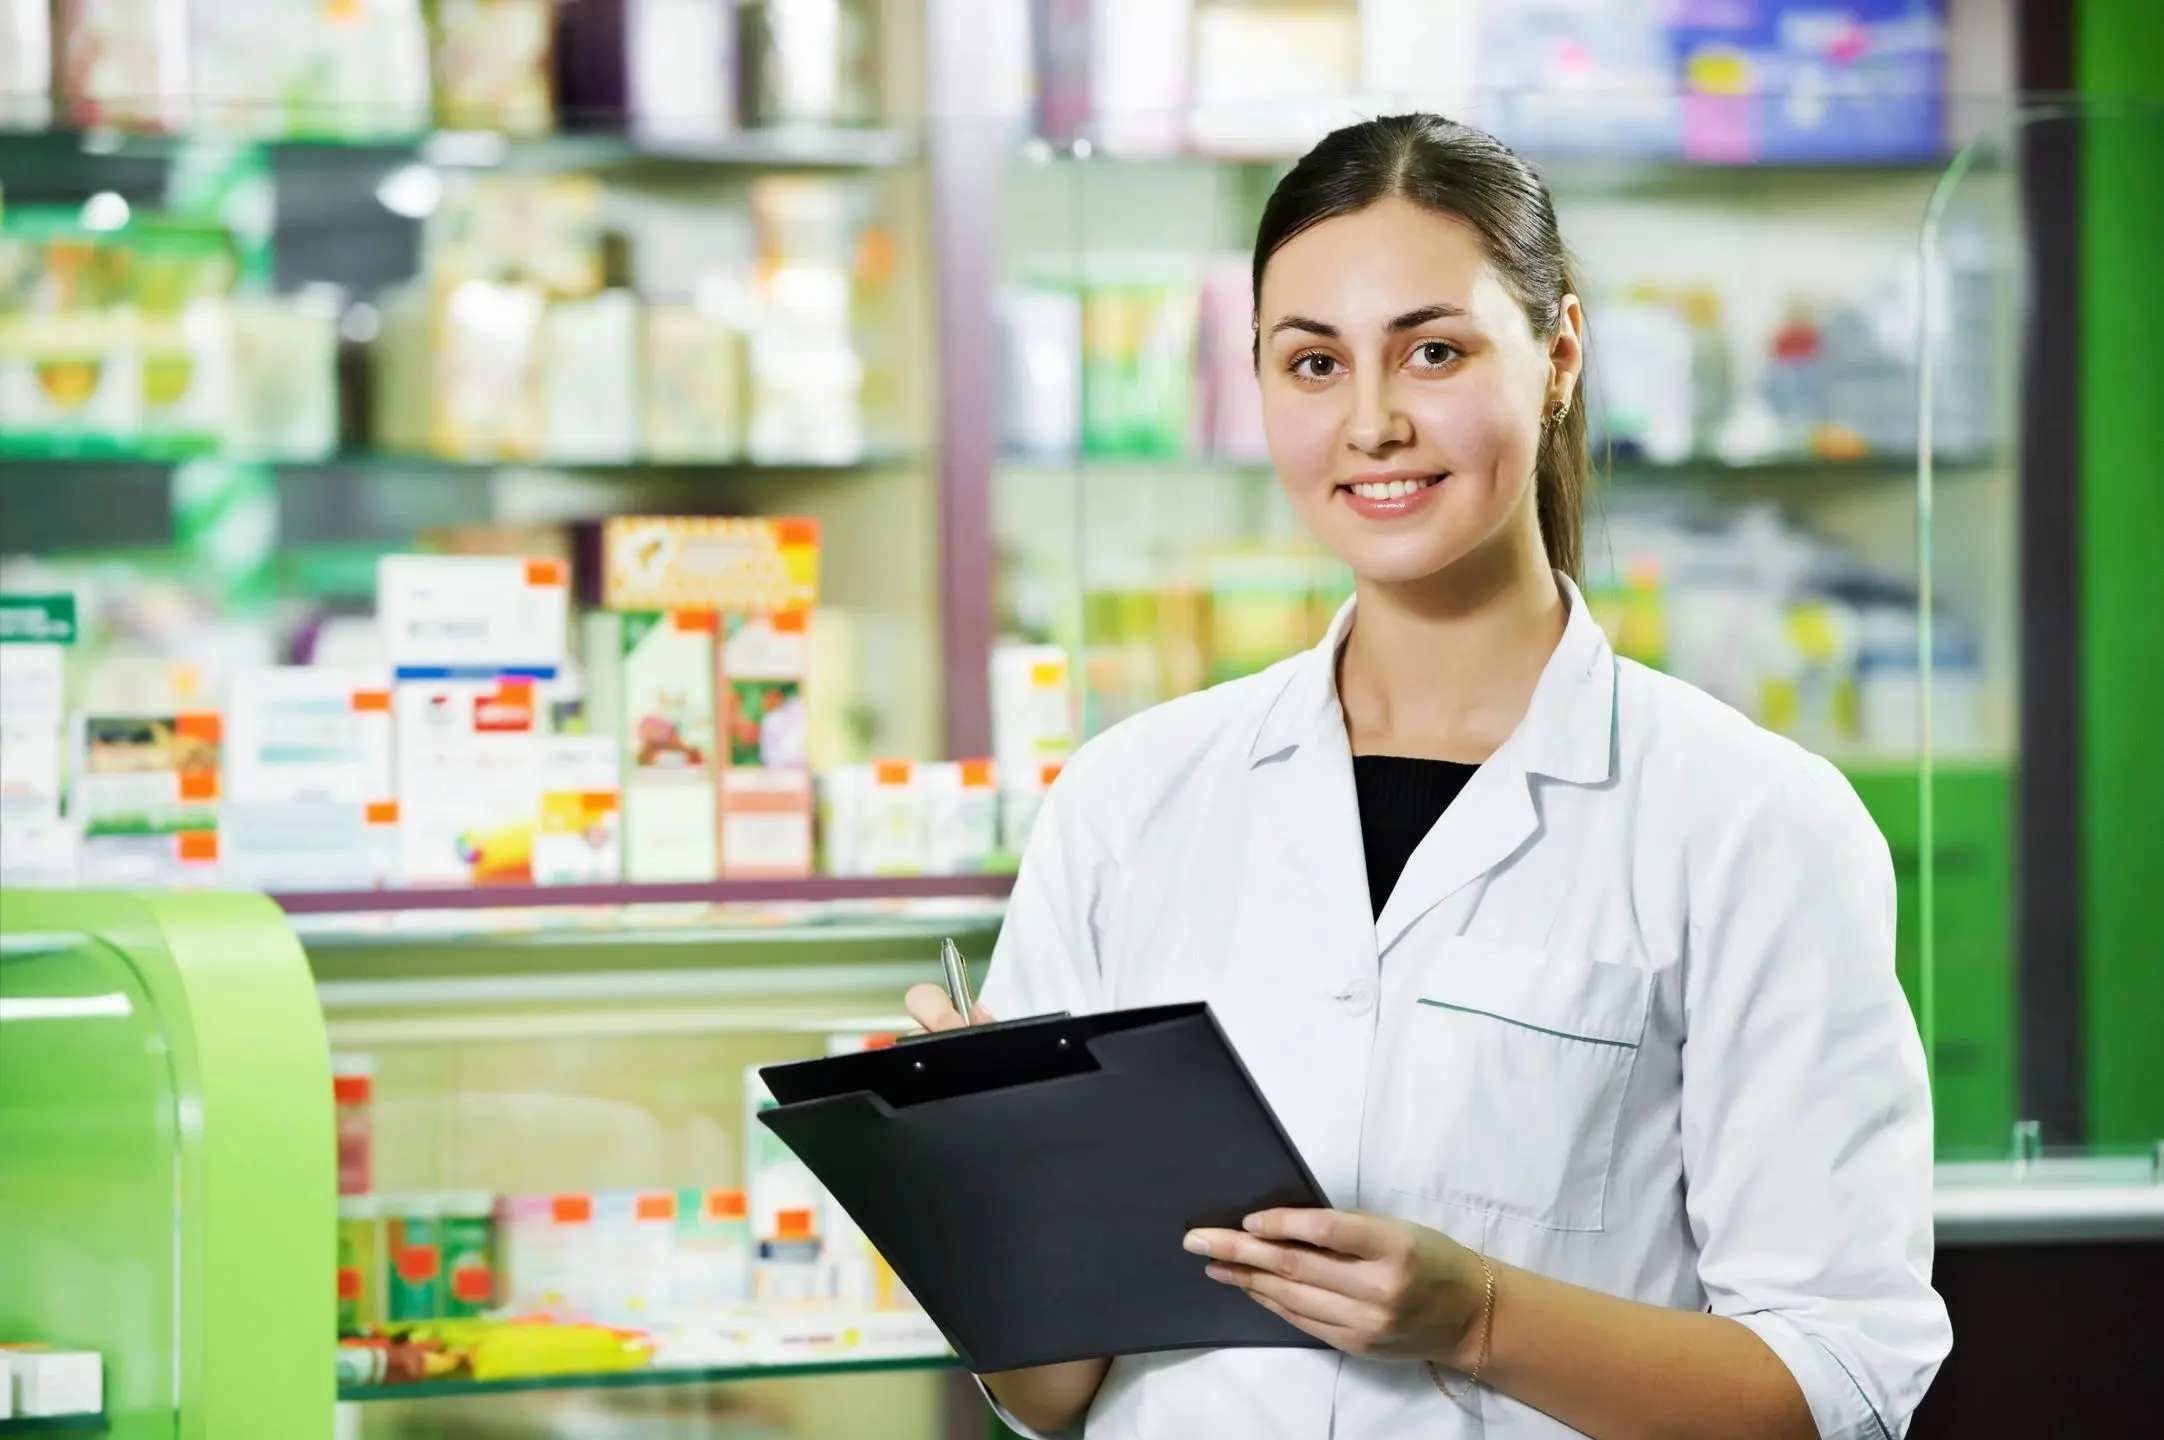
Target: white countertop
2049	1201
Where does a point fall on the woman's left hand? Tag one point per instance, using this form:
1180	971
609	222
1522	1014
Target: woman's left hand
1365	1284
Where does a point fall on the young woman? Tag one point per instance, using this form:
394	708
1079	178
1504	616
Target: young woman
1574	988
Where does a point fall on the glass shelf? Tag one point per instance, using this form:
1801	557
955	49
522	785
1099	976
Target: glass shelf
788	147
813	890
91	455
642	1379
55	1425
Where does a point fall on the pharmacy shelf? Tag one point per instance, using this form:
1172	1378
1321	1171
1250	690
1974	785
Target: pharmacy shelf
776	148
812	890
647	1378
55	1425
1622	470
89	458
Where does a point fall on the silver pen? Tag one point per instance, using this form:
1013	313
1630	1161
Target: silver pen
957	973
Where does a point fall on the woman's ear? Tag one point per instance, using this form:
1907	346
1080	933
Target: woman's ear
1566	352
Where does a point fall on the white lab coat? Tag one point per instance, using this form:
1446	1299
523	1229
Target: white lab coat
1629	1019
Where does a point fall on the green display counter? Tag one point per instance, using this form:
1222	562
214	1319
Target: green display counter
167	1158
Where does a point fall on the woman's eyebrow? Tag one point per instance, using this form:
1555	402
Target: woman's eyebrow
1410	320
1414	319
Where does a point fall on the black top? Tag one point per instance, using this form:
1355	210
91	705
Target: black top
1400	801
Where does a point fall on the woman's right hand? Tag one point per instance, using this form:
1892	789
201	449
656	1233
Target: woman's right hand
929	1006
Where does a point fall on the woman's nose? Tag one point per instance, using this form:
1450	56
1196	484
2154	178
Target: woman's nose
1377	424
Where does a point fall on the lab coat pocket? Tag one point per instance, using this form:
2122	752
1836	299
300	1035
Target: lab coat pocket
1512	1065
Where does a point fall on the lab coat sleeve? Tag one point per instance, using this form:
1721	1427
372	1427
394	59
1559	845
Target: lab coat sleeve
1806	1113
1046	959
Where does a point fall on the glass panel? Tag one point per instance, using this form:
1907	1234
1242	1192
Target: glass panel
89	1180
1998	275
595	1094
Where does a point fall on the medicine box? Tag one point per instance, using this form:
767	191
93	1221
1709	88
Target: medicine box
765	662
469	779
766	823
310	792
961	815
578	839
44	1384
661	562
652	678
145	798
1032	707
446	614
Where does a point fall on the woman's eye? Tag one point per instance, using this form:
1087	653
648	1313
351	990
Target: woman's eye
1436	353
1314	367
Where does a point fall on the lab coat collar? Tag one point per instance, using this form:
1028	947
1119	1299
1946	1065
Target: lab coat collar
1569	729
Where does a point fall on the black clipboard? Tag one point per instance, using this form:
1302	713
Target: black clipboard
1031	1182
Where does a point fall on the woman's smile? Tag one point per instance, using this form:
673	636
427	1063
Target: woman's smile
1390	494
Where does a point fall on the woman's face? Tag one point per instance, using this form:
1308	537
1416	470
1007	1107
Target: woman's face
1403	390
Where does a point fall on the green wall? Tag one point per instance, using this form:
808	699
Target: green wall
2121	54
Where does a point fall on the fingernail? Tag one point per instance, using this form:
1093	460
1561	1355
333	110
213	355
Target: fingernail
1251	1224
1217	1272
1195	1244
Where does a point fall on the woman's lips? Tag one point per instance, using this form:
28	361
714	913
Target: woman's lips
1390	499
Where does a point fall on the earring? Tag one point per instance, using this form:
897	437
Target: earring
1558	414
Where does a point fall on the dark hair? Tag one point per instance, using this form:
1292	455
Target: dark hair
1455	170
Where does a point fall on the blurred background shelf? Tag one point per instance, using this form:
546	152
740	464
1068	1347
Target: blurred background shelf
651	1377
91	460
56	1425
32	155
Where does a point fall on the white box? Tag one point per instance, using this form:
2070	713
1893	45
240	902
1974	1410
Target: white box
766	823
442	614
310	791
592	358
1021	796
961	815
579	837
893	834
1032	707
57	1382
469	779
145	798
651	675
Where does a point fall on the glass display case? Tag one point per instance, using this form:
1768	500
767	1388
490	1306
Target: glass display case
577	1090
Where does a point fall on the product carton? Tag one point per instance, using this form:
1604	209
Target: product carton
765	662
652	562
652	675
961	816
310	792
786	1204
35	633
551	1256
45	1383
766	823
146	797
635	1244
444	615
592	379
469	779
1032	707
713	1251
579	837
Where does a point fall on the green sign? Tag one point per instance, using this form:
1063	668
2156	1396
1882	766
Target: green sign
37	619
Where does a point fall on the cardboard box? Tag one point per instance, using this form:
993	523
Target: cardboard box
1032	707
47	1383
766	660
961	816
652	679
766	823
35	633
893	836
579	837
469	779
659	562
310	790
479	614
145	798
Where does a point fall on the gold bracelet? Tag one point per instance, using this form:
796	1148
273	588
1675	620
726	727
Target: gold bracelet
1487	1335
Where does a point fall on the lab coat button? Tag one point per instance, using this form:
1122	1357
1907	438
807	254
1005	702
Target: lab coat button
1358	998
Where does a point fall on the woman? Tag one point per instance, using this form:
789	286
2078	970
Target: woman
1574	988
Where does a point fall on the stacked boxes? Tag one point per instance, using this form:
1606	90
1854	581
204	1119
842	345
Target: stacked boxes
699	667
310	795
35	631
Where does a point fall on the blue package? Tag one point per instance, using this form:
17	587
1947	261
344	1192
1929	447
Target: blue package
1810	81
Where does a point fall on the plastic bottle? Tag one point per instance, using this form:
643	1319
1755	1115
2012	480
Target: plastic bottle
468	1229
